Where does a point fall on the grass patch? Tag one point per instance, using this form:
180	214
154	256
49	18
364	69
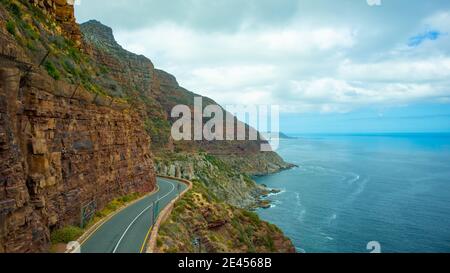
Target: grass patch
253	217
51	70
66	234
14	8
71	233
114	206
11	27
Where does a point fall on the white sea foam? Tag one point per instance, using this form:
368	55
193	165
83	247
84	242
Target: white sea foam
355	178
301	215
300	250
276	193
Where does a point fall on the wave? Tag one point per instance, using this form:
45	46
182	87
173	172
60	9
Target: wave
301	211
344	176
300	250
275	203
326	236
298	199
301	215
360	188
355	178
332	218
276	193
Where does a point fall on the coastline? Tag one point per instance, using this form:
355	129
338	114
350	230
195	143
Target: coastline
262	201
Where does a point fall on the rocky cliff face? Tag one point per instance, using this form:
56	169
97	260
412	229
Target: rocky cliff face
222	170
219	227
62	11
75	120
61	148
136	78
223	181
59	153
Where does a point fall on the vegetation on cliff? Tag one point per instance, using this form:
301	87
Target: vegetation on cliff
221	170
82	149
216	211
217	227
43	41
63	147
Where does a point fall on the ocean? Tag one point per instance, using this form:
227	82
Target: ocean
350	190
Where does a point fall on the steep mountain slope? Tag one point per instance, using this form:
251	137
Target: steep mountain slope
135	79
80	121
221	168
62	148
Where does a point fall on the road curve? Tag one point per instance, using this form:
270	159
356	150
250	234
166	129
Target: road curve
127	231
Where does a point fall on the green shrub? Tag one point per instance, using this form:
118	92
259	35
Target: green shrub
70	67
113	206
74	54
270	244
128	198
15	10
11	27
66	234
30	32
253	217
51	69
104	69
31	46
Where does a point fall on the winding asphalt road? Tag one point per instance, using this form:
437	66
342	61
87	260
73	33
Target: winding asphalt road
127	231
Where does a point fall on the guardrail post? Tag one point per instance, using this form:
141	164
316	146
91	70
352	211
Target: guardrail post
43	59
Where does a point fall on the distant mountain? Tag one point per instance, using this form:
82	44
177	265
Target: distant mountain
284	136
279	135
84	123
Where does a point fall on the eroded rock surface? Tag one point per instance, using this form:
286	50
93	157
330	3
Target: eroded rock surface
63	12
60	150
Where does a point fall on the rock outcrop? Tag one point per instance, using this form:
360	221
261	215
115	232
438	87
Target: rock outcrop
63	12
134	76
59	153
78	117
219	228
61	148
225	182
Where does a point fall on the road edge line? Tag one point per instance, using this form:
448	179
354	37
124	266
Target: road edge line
145	240
92	230
163	216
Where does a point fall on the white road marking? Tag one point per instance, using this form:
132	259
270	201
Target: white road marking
173	188
140	214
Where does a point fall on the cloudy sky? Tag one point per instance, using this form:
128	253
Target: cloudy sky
333	66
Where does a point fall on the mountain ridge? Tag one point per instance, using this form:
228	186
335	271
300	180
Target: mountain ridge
83	120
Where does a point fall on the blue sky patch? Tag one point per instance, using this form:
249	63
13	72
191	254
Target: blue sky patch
431	35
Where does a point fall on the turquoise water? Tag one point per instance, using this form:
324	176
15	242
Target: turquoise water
353	189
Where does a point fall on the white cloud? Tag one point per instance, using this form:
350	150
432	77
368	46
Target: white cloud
439	20
332	95
231	77
430	69
178	43
304	67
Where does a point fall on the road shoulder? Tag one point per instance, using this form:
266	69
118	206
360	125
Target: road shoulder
91	230
164	214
